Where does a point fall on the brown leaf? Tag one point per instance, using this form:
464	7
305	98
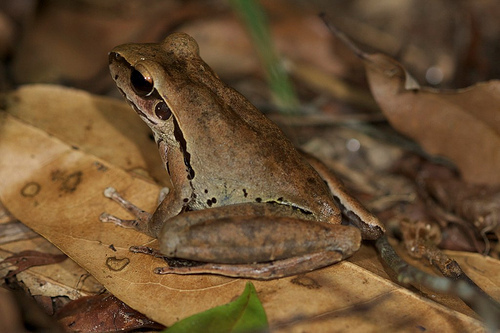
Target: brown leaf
84	121
29	258
102	313
20	313
452	202
343	295
462	125
476	206
65	278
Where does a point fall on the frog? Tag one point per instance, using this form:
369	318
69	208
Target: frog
244	201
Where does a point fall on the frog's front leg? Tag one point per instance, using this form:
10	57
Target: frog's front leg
144	222
142	217
369	225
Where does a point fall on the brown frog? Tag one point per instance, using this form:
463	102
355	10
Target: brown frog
244	201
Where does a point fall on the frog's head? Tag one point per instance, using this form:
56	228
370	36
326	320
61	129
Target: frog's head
164	83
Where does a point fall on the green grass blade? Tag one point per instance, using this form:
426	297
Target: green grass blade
255	19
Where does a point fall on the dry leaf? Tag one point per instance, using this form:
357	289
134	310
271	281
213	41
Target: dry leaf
483	270
341	296
87	122
462	125
473	208
29	258
62	279
102	313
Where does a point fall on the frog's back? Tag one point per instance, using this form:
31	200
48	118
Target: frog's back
236	153
247	158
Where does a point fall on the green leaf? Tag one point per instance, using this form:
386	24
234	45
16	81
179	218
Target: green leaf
245	314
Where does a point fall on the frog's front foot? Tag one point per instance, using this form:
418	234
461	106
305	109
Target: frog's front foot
142	217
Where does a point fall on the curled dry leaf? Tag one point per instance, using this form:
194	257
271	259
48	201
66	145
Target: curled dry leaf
65	278
102	313
343	295
13	231
462	125
29	258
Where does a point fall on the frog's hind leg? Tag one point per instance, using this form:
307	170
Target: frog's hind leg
260	271
352	209
266	246
142	217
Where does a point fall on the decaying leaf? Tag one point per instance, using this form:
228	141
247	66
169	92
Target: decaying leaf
474	207
65	278
341	296
27	259
479	205
102	313
473	210
245	314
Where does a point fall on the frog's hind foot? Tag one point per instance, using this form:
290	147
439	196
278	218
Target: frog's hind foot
259	271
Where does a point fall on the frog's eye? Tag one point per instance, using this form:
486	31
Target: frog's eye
162	111
143	85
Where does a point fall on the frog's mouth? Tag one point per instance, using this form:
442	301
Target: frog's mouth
136	109
140	113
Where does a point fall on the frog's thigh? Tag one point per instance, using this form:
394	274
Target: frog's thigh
253	239
358	215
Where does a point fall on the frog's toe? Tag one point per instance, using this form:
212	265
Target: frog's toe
109	192
105	217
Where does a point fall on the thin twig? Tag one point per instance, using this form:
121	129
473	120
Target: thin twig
482	304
